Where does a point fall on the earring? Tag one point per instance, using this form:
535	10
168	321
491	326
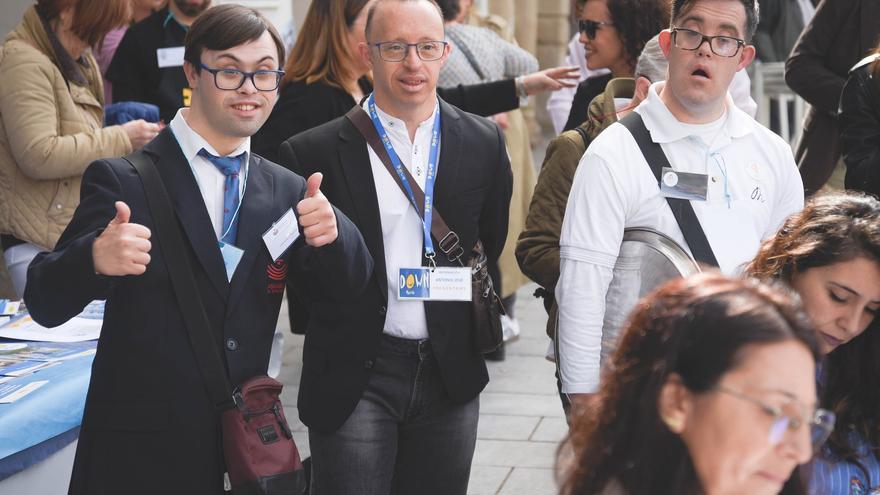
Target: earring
674	424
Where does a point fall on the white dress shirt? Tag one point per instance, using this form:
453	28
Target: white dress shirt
614	189
210	179
402	233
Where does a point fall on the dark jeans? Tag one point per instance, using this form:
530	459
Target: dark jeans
404	437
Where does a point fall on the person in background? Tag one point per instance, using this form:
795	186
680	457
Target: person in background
839	35
478	54
140	10
860	125
51	106
148	64
711	391
150	425
559	103
613	33
779	27
829	253
747	179
537	249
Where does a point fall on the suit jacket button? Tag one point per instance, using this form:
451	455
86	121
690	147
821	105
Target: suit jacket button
368	364
382	310
231	344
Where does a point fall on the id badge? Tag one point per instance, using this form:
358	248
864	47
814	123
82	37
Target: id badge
683	185
439	284
231	258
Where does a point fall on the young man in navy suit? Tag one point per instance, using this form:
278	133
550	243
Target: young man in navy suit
391	393
149	426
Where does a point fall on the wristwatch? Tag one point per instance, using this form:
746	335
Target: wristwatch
521	90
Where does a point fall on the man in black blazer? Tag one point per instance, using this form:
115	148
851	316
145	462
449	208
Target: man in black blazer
390	389
840	34
149	426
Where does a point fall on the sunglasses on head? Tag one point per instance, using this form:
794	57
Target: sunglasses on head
589	27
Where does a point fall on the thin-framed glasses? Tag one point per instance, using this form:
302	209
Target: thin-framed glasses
232	79
396	51
589	27
787	418
723	46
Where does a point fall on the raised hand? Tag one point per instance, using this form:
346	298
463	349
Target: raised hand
316	216
123	248
551	79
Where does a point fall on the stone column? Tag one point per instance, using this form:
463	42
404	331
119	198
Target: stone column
553	32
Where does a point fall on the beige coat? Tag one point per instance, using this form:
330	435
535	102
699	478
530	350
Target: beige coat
50	130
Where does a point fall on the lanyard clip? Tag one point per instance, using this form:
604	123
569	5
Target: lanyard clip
432	264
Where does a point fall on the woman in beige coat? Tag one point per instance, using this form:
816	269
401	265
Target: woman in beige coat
51	112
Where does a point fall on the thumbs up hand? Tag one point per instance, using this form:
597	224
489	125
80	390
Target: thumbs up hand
123	248
316	215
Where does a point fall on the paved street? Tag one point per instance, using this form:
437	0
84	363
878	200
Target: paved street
521	420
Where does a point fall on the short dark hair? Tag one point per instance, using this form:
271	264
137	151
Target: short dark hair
679	7
226	26
698	328
372	12
450	9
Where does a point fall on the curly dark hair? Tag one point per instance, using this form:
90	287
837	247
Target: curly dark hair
697	328
834	228
637	21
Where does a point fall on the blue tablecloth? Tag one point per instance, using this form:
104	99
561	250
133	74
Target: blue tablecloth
53	410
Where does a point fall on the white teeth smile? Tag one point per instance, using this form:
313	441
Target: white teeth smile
244	108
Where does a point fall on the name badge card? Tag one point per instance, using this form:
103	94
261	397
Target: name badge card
170	57
683	185
281	234
440	284
231	258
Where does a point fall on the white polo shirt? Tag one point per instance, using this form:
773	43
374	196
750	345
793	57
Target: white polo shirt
754	185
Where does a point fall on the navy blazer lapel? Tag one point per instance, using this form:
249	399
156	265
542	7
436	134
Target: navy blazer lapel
189	206
354	160
255	218
450	154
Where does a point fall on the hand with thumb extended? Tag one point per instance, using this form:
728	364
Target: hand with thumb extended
316	215
313	185
123	248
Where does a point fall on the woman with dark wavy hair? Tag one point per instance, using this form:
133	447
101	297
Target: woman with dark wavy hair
830	254
710	392
613	33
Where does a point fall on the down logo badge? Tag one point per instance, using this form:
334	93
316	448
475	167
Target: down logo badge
277	273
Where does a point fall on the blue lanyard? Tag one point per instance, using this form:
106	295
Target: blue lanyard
429	179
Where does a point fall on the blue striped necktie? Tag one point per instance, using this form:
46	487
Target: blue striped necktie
230	166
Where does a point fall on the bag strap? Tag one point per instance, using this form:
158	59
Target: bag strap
468	54
167	231
584	137
681	208
448	241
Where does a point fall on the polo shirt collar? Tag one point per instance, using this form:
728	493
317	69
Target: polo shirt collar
665	128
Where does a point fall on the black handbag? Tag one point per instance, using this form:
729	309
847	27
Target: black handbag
486	306
260	454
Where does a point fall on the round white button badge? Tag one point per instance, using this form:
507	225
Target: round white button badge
670	179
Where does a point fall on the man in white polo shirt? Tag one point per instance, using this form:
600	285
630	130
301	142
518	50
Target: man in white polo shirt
750	183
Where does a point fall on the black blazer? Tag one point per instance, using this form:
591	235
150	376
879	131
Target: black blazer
860	128
841	33
148	425
472	193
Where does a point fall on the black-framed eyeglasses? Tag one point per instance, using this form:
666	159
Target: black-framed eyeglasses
232	79
790	417
396	51
589	27
723	46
